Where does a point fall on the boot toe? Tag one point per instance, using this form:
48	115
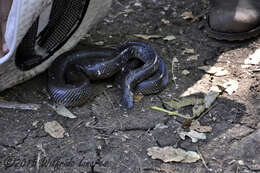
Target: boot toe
241	20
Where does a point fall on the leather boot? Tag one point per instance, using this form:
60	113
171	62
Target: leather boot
234	19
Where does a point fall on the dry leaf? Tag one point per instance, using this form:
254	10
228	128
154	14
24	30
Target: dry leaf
109	86
99	43
195	136
35	123
197	110
169	38
175	60
124	12
170	154
63	111
216	71
138	97
165	21
185	72
188	15
54	129
160	126
138	4
253	59
210	98
193	58
188	51
147	37
195	125
183	102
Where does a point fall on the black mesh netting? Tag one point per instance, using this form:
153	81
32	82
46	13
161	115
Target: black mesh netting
65	17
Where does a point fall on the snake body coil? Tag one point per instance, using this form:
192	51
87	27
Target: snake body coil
94	64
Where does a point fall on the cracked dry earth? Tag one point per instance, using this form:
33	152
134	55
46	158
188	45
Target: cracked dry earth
115	140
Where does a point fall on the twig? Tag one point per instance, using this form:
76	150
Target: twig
98	127
38	162
173	113
203	160
77	125
21	106
173	76
205	112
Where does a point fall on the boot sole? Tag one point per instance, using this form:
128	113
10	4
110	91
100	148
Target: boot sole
232	36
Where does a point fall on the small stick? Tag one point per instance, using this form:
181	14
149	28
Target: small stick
173	76
172	112
205	112
21	106
203	160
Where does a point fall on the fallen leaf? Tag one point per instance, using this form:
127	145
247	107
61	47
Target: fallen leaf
230	86
35	123
124	12
99	43
210	98
165	21
197	110
109	86
253	59
216	71
193	58
54	129
147	37
188	51
185	72
170	154
188	15
183	102
138	97
138	4
160	126
175	60
169	38
195	136
63	111
195	125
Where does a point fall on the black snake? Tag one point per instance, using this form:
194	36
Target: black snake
148	77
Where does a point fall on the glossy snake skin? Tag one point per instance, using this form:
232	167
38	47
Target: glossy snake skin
149	77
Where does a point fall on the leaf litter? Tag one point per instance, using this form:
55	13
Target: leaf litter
63	111
171	154
194	135
216	71
54	129
169	38
147	37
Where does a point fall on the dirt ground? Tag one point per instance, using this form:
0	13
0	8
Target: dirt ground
104	138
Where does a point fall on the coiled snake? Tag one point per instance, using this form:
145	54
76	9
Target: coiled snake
94	64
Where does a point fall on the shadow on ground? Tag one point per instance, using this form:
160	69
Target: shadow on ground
104	138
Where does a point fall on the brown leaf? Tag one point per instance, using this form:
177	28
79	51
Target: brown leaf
170	154
188	15
54	129
138	97
195	125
